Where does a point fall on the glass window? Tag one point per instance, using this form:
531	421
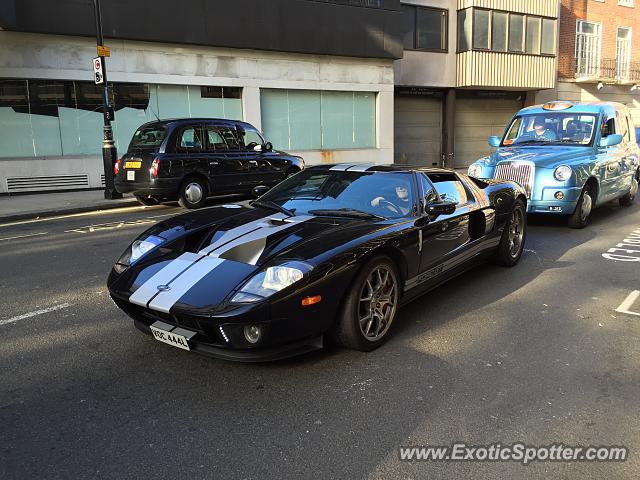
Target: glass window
608	126
190	139
532	44
150	137
464	30
230	137
552	127
428	192
499	31
409	26
548	37
481	28
252	138
431	29
623	126
449	187
214	139
314	120
516	32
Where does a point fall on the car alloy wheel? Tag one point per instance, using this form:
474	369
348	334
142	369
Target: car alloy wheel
516	232
585	208
378	303
193	192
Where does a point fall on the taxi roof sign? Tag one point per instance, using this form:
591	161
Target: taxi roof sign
557	106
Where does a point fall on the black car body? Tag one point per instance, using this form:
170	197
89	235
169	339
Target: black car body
214	278
190	159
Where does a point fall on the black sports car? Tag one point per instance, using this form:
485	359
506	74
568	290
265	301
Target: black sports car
331	252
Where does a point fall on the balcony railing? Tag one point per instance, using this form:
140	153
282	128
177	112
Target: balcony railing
606	70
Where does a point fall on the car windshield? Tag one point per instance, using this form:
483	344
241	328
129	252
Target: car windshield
342	193
551	128
148	137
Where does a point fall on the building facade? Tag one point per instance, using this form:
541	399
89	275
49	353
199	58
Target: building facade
468	66
599	53
316	76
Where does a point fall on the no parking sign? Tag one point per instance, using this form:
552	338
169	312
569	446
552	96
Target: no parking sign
97	71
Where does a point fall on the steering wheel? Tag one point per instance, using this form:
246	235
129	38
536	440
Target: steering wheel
390	205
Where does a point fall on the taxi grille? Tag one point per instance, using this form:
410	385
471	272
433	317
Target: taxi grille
517	172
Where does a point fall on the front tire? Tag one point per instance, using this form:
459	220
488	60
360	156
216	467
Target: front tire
580	216
513	237
193	193
370	307
627	199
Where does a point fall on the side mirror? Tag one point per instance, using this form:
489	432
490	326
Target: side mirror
440	208
257	148
268	146
611	140
494	141
259	190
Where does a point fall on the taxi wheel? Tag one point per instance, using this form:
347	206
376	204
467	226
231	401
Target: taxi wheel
193	193
627	199
146	201
580	216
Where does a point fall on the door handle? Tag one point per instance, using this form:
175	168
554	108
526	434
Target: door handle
214	163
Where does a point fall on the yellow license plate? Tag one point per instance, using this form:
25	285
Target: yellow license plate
132	164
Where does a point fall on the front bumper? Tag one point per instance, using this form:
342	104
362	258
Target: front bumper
548	203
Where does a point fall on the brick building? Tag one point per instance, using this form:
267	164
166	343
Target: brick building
599	53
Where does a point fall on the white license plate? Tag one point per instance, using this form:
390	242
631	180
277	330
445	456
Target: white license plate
131	175
174	336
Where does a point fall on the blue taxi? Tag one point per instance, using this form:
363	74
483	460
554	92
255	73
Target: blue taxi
569	156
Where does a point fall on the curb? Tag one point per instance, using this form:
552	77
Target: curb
67	211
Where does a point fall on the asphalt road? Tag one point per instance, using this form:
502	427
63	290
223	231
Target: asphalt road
536	353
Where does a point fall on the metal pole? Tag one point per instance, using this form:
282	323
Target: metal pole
449	117
109	153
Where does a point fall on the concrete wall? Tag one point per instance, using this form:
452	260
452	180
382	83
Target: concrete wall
430	69
60	57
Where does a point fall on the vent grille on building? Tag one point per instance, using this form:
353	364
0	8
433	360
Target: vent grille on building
37	184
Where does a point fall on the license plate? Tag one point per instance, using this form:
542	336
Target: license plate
174	336
132	164
555	209
131	175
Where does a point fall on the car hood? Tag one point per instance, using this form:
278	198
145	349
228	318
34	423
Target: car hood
216	250
543	157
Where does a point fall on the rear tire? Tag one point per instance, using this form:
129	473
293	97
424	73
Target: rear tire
513	237
193	193
580	216
146	201
370	306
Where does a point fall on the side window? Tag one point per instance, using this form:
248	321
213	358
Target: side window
230	137
608	126
427	191
190	139
623	126
449	187
513	132
215	140
252	138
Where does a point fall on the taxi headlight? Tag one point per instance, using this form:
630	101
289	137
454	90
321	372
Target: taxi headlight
562	173
270	281
475	170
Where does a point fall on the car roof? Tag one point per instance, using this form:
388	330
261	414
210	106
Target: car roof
372	167
217	121
582	107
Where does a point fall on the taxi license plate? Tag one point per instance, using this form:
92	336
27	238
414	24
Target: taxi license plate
131	175
132	164
555	209
174	336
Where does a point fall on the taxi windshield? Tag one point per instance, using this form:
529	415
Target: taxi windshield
551	128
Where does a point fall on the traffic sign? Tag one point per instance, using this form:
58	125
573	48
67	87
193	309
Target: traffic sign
103	51
98	75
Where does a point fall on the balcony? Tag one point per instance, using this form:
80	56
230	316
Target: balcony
609	70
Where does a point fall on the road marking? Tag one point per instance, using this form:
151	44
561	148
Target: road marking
33	314
98	227
628	303
23	236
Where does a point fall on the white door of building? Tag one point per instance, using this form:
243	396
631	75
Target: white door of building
417	130
476	120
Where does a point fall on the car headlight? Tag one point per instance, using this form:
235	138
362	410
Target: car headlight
475	170
562	173
270	281
136	251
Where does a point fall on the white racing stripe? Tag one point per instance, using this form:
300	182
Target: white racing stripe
33	314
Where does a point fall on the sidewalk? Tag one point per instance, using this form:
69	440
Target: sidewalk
20	207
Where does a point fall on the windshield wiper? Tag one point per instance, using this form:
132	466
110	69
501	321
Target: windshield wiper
273	206
345	212
525	142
